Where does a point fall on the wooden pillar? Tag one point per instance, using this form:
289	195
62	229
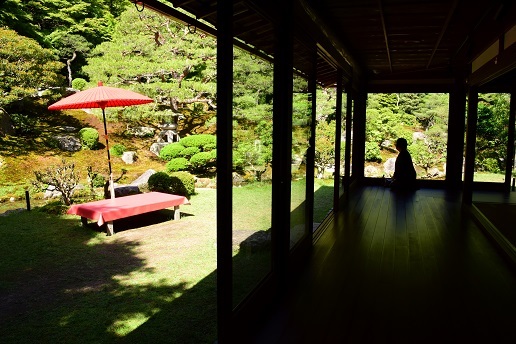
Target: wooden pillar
224	168
359	126
471	128
347	157
338	134
455	144
510	142
310	154
282	143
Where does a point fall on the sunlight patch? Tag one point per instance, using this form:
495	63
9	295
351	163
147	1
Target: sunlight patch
130	322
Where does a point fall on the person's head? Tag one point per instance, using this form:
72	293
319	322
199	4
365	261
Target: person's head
401	144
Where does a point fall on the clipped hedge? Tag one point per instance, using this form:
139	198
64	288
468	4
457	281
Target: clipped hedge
188	152
89	138
183	183
201	160
178	183
117	149
177	164
202	141
79	84
171	151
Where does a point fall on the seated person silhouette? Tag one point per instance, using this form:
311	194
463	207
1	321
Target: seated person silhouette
404	177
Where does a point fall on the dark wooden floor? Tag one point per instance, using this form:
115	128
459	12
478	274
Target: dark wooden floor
400	269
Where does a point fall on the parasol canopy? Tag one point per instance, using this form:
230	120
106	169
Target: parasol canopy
102	97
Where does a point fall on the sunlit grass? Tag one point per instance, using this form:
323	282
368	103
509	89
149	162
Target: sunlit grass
489	177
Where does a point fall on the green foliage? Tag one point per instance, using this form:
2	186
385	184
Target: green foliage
202	161
177	164
171	151
183	183
89	138
79	84
117	149
324	146
99	181
160	58
252	156
189	151
178	183
492	131
159	181
24	124
422	155
372	152
201	141
25	67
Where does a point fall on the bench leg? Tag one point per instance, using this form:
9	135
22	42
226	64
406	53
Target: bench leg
109	228
84	221
177	213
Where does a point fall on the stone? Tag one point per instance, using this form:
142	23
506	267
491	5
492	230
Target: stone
126	190
51	192
389	167
68	129
141	131
68	143
370	171
419	136
434	172
156	147
144	178
129	157
168	136
237	179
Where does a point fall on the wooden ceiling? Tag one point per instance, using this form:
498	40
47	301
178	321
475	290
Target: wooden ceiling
373	41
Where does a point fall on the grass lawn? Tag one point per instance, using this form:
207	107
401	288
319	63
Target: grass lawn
154	281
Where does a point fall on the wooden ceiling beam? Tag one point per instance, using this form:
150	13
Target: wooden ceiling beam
443	30
382	17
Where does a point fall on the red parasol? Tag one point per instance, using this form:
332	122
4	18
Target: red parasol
102	97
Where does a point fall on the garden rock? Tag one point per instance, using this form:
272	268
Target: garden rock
68	129
141	131
389	167
419	136
257	241
434	172
129	157
205	183
68	143
126	190
157	147
237	179
370	171
144	178
51	192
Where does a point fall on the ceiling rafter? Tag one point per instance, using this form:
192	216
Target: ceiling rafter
443	31
384	28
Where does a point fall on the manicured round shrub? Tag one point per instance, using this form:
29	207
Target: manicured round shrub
171	151
188	152
117	149
183	183
201	160
89	138
79	84
160	181
210	146
177	164
201	141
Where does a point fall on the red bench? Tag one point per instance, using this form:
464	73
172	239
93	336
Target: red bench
108	210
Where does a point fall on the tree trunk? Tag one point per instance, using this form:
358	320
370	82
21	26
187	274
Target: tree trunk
69	68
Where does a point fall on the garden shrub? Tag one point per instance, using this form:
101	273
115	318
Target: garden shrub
490	165
117	149
98	181
171	151
210	146
201	161
202	141
159	181
177	164
53	208
79	84
89	138
188	152
183	183
372	152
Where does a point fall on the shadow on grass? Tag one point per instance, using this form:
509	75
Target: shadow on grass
62	283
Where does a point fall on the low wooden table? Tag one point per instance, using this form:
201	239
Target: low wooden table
108	210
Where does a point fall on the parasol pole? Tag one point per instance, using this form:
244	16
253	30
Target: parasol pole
111	184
